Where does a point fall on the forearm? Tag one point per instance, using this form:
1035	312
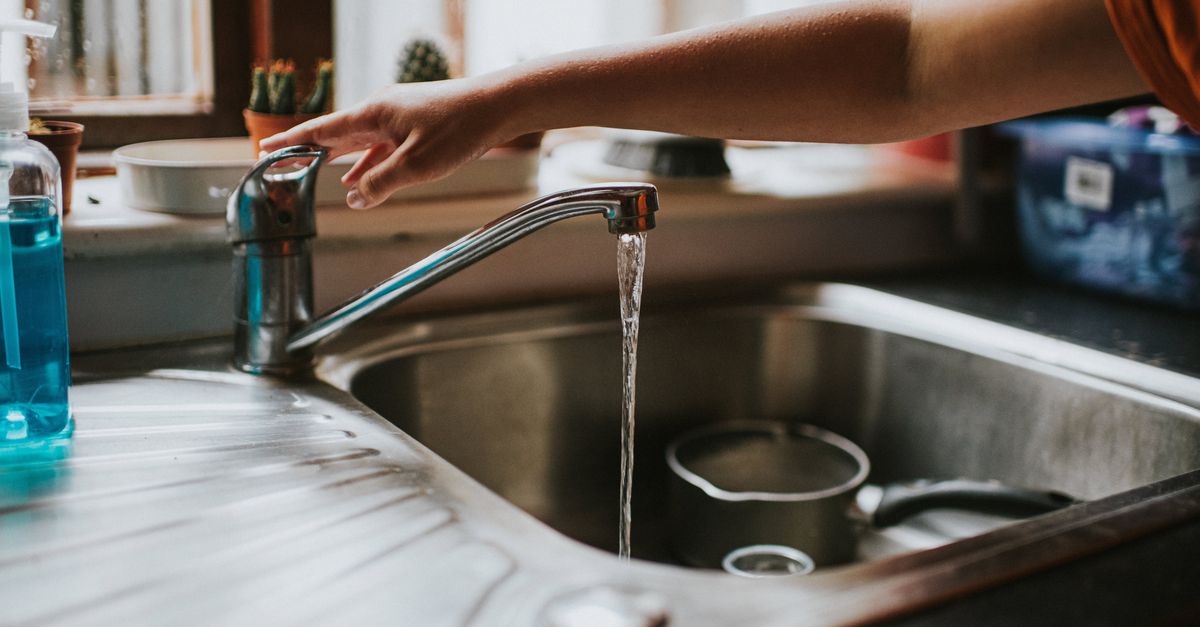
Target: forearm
854	71
769	77
863	71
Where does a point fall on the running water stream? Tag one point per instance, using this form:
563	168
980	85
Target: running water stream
631	262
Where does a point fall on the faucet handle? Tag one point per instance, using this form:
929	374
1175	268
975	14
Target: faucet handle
271	206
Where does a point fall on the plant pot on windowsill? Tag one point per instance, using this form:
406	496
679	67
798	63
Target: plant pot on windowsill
273	89
63	139
264	125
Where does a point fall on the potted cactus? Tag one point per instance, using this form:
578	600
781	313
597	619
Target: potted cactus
63	139
273	105
422	60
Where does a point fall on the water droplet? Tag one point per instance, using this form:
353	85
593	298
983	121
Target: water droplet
28	13
31	83
87	45
28	59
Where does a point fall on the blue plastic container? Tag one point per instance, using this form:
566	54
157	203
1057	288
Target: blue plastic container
1117	209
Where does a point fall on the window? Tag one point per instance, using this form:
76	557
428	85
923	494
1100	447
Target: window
134	70
371	35
120	57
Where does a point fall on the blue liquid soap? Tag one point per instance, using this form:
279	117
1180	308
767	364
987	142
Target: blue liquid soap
34	379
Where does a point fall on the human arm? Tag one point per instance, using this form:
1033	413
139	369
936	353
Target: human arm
855	71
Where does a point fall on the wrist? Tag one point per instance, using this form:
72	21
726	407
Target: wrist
524	101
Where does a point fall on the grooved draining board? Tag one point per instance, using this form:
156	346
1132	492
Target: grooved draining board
205	496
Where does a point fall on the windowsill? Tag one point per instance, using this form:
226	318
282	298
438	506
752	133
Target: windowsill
95	163
100	224
122	106
137	277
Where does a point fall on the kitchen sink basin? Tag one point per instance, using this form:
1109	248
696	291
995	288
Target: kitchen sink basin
527	401
191	491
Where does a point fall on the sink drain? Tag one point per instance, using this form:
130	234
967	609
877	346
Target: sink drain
767	560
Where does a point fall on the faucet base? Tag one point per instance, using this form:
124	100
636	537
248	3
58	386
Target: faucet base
262	354
301	371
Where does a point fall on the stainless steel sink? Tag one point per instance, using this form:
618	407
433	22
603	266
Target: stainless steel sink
526	401
191	491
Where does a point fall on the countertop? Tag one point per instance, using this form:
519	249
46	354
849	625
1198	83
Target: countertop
1158	335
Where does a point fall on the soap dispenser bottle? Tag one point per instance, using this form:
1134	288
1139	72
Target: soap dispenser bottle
34	369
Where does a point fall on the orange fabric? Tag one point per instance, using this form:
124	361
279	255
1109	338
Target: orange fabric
1163	39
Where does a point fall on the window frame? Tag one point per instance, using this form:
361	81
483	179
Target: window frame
232	57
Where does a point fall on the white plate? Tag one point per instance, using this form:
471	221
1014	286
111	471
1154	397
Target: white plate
196	176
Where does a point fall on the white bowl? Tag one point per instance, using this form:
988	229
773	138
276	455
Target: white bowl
196	176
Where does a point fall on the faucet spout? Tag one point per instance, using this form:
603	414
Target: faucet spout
271	220
634	209
627	207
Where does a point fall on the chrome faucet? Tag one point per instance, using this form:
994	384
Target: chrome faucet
270	221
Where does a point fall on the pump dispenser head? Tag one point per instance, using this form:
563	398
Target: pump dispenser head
14	104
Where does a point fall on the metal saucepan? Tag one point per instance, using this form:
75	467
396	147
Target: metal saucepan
747	483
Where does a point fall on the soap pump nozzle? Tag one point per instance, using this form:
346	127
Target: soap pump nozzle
14	104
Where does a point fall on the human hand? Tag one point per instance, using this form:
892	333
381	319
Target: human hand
412	133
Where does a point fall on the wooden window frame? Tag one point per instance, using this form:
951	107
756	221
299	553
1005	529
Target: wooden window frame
231	57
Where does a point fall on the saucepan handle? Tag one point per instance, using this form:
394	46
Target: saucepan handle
901	500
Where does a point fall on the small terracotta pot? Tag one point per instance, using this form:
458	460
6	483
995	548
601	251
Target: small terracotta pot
264	125
63	139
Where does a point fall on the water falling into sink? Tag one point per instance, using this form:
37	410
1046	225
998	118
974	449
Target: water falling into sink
631	263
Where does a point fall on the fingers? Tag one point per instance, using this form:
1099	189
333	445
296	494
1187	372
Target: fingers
336	129
368	160
376	184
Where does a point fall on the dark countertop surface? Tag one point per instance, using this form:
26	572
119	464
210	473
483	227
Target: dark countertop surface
1150	333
